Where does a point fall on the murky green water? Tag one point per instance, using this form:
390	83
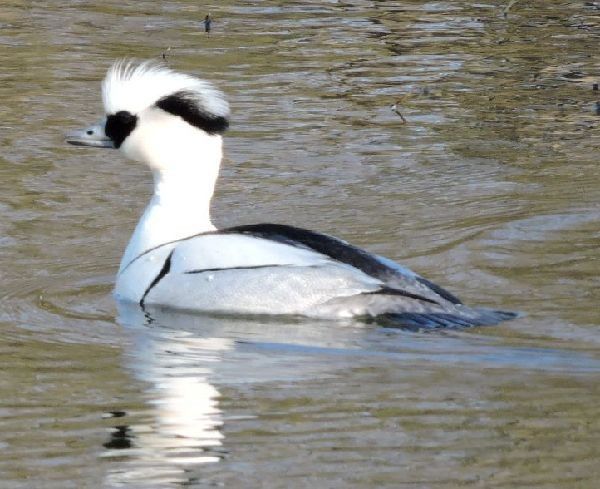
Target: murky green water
491	188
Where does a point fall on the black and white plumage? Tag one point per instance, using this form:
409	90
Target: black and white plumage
176	258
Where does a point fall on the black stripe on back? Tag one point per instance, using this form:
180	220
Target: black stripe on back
321	243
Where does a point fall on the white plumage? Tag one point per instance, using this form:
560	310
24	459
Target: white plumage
135	87
176	258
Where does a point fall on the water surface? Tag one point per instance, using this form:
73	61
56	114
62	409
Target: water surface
491	188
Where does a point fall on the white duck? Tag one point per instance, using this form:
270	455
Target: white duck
176	257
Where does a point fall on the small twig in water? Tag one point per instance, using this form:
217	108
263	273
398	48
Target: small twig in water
508	7
397	111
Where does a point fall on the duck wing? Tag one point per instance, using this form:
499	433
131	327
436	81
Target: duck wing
390	273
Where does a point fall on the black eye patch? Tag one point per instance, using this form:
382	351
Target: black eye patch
186	106
119	126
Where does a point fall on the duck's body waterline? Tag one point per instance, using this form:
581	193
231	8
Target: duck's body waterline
176	258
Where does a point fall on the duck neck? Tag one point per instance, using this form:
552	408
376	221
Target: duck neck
180	206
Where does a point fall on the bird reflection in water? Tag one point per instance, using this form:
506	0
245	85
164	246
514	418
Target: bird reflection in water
185	420
182	358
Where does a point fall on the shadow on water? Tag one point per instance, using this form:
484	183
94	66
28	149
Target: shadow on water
187	362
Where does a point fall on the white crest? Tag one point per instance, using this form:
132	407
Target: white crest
134	87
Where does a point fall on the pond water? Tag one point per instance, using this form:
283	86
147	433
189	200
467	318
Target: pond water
491	188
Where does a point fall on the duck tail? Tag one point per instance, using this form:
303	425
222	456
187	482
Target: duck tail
461	318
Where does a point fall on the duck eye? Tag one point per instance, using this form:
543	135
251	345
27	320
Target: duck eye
119	126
